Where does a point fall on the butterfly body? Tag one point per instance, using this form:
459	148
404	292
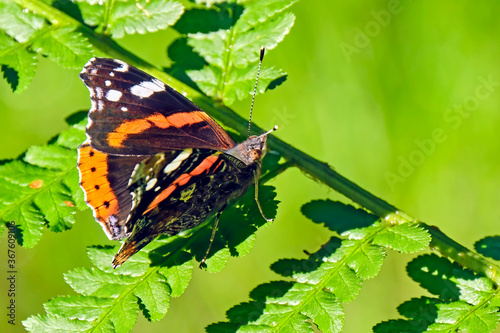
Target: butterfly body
153	162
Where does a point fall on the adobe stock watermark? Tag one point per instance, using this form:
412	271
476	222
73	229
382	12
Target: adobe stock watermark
363	36
11	274
453	118
282	117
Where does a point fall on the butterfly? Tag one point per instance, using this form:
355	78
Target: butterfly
153	162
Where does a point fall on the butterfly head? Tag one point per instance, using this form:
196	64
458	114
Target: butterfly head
253	149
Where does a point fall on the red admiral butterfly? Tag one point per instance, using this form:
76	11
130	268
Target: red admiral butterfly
154	163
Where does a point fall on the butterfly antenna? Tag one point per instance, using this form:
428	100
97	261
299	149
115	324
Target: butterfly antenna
262	49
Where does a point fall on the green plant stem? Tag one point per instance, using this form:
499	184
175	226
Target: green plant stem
459	253
318	170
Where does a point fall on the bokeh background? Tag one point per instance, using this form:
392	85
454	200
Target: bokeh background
401	97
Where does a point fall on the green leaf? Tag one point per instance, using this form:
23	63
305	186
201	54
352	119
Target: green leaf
434	274
406	238
285	305
42	189
21	32
64	46
18	64
154	293
489	247
92	11
230	53
325	312
78	307
20	183
400	325
102	256
51	323
345	284
56	206
457	314
474	289
467	302
239	80
365	259
209	3
124	314
258	12
178	275
337	216
71	138
51	157
268	34
143	16
18	23
92	281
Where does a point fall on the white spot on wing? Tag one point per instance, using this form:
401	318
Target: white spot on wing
151	184
178	160
124	108
157	188
99	92
107	83
113	95
123	66
111	74
147	88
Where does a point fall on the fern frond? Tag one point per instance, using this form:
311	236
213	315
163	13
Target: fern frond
109	299
329	277
466	302
23	35
231	52
40	189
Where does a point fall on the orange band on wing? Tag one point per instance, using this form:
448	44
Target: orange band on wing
93	167
183	179
136	126
162	196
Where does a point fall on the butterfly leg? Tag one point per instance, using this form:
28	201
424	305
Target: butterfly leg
256	177
212	237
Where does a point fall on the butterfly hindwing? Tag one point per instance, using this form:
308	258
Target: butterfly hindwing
177	191
134	113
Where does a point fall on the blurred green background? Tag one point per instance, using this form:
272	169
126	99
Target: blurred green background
401	97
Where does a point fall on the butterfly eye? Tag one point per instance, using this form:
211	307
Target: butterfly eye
256	154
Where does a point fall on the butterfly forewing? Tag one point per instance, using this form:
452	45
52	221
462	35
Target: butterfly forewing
134	113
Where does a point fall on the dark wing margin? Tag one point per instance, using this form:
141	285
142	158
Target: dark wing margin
133	113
